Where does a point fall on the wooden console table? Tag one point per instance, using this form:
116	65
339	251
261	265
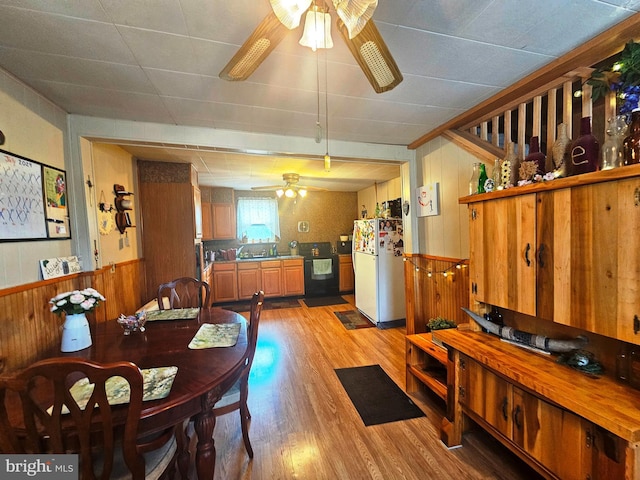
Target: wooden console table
562	422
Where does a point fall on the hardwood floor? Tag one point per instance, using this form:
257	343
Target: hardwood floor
305	427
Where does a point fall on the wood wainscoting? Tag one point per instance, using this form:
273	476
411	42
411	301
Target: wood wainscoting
27	325
436	295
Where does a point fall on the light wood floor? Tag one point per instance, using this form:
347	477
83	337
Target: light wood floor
305	427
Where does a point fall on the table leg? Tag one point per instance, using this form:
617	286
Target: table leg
204	424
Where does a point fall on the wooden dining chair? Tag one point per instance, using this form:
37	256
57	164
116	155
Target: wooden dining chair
184	292
41	414
236	397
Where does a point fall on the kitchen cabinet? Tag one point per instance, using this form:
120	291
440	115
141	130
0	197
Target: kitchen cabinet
218	214
271	278
346	274
225	282
249	279
168	201
293	276
559	251
207	221
197	212
554	418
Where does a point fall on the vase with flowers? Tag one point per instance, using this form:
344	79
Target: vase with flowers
76	334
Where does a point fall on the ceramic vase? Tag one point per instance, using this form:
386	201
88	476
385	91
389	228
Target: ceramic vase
612	149
631	145
585	150
535	156
561	151
76	334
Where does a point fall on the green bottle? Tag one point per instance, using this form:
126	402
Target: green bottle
482	178
377	210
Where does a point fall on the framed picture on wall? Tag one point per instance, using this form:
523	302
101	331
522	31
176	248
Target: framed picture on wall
428	200
56	202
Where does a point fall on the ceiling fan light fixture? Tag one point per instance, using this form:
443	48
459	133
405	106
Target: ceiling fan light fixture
355	13
290	193
317	29
280	192
302	192
289	12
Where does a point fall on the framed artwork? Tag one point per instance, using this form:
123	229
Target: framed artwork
428	200
33	200
56	208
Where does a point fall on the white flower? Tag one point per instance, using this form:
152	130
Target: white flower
77	301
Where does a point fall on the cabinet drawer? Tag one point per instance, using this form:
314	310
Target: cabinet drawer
344	259
292	263
249	266
218	267
270	264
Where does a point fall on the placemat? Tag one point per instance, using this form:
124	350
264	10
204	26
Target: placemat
216	335
157	384
173	314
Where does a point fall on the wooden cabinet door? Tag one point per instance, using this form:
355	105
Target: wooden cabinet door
225	283
554	437
476	252
604	281
207	221
487	395
224	221
293	277
504	263
197	212
271	277
346	274
248	279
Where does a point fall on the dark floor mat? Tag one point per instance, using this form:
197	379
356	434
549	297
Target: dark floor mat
324	301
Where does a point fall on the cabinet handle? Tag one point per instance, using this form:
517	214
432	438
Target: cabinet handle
474	214
636	195
461	391
463	364
526	254
541	255
504	406
636	324
516	417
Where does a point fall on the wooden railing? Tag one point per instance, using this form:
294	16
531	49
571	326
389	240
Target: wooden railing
535	105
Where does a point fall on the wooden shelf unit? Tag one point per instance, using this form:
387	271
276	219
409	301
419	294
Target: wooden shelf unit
426	365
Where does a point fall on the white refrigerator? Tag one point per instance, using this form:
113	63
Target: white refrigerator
379	271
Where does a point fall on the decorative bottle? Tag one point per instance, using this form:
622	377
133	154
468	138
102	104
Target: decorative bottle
536	157
494	316
475	177
561	151
509	166
377	212
496	174
482	178
612	149
631	144
584	150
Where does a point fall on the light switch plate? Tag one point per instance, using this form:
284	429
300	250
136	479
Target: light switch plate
303	226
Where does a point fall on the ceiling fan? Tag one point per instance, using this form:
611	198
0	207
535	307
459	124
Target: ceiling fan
354	24
290	189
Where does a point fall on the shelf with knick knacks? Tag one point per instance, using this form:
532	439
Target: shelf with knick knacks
123	206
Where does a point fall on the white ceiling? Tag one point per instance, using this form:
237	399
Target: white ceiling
158	61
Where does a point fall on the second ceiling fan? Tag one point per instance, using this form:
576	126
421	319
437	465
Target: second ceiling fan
354	24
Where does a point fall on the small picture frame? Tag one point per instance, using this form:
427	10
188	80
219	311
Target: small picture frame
428	200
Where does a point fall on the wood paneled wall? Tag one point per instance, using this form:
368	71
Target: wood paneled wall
28	326
428	297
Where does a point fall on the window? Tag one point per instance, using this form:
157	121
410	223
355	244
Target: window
258	219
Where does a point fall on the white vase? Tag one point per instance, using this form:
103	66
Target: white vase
75	333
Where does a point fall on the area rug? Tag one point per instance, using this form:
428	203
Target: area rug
352	319
269	304
375	396
324	301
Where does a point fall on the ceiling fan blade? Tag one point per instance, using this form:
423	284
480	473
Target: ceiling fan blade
258	46
373	56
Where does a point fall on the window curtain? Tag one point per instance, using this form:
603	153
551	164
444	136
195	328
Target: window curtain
255	213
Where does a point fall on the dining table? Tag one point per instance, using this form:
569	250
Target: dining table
203	374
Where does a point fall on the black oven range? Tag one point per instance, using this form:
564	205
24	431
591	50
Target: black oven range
320	269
